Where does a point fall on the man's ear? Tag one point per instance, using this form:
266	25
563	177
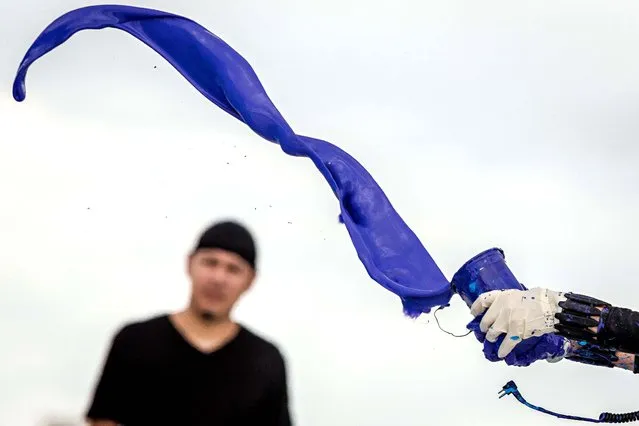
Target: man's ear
251	280
189	262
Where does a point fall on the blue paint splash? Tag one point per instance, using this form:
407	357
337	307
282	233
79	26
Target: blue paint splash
389	250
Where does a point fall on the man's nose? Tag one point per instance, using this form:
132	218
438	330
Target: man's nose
219	276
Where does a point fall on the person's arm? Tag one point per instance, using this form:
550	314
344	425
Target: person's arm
627	361
110	403
587	353
276	405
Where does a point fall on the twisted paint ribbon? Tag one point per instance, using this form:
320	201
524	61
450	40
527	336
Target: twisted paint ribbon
390	251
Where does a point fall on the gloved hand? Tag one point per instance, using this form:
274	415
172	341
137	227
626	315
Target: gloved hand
520	314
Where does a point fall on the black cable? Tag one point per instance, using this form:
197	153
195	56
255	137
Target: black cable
448	332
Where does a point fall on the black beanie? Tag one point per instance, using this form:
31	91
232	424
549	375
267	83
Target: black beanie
229	236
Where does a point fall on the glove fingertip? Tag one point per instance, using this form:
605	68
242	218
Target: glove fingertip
476	310
508	345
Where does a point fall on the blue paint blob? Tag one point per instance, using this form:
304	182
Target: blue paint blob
514	337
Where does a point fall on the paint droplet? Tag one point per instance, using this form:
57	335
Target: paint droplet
514	337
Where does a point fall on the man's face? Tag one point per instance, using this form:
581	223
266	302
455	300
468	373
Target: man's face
218	280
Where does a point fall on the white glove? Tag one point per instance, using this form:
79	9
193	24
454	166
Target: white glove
520	314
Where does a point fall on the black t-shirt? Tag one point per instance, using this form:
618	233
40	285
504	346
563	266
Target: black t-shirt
154	376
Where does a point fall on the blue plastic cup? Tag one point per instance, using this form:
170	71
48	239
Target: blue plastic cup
485	272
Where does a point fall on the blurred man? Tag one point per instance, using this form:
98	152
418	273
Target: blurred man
197	366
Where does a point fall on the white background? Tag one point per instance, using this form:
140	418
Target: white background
487	123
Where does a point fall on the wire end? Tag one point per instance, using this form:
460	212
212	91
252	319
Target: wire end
508	389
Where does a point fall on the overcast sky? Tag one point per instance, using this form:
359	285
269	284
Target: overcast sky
487	123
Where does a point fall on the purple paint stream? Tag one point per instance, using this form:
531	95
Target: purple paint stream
390	251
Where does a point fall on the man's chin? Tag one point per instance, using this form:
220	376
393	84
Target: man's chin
211	315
